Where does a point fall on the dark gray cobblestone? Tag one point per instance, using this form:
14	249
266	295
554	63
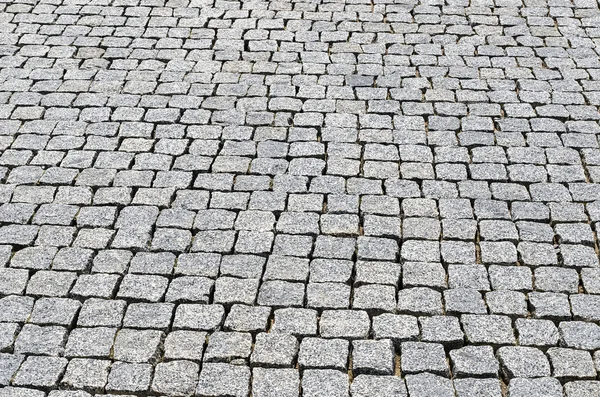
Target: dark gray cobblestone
366	198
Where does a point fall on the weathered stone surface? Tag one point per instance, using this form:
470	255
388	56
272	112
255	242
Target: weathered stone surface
233	198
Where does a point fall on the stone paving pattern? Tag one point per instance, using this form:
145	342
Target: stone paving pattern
280	198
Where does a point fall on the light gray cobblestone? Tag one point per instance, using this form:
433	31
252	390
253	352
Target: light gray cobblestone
322	199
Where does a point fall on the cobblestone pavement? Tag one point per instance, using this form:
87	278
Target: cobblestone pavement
281	198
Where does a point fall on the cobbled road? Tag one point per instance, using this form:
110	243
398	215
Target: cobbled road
308	198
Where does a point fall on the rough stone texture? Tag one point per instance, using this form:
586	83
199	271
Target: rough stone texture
274	349
275	198
378	386
89	374
538	387
523	362
175	378
582	388
273	382
323	353
423	357
571	364
324	382
131	378
473	387
373	357
474	361
223	379
429	385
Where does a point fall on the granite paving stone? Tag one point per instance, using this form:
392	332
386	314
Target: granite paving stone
323	353
223	379
533	332
581	388
21	392
129	378
40	371
373	357
90	342
477	361
523	362
274	349
535	387
423	357
571	363
262	198
324	382
87	374
429	385
9	364
175	378
272	382
378	386
471	387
